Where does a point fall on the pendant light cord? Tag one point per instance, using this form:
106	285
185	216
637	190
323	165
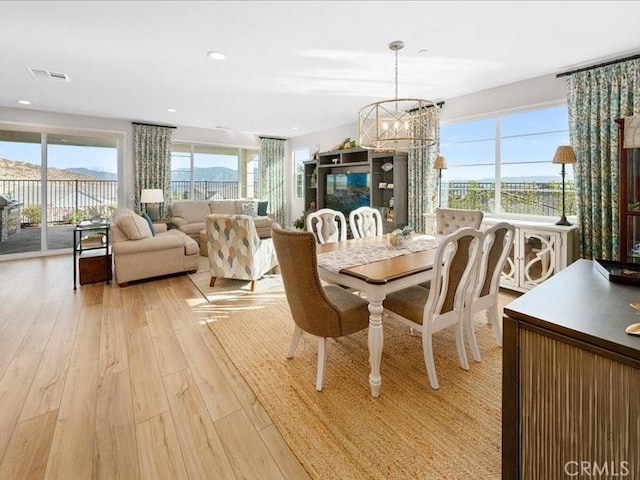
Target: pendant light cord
396	74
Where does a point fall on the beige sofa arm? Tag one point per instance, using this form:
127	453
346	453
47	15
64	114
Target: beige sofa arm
152	244
159	227
178	221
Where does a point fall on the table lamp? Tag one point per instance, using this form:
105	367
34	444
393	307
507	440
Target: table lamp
440	164
564	155
152	195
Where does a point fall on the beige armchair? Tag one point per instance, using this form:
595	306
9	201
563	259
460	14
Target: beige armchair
235	249
448	220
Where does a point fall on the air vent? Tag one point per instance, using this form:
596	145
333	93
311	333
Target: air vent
41	73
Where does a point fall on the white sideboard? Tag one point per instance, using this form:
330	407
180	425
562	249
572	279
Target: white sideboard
539	251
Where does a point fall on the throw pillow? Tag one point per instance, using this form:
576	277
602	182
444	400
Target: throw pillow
262	209
134	226
146	216
249	209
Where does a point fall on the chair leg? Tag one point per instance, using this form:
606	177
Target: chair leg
322	357
462	355
473	341
427	348
297	333
253	285
492	313
212	282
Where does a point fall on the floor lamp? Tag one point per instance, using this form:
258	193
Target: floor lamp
152	195
440	164
564	155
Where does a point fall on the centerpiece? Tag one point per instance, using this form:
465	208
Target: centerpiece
400	238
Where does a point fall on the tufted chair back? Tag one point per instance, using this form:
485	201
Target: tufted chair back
448	220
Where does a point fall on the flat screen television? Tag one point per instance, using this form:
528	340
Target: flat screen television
345	191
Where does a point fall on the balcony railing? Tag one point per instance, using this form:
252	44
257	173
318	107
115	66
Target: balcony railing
73	200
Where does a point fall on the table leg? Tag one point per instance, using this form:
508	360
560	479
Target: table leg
376	339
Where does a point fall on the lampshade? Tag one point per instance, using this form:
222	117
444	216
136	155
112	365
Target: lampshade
440	163
399	124
564	154
151	195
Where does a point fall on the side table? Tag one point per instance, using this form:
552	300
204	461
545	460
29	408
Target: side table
91	252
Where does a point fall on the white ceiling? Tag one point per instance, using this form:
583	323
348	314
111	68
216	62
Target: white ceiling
310	65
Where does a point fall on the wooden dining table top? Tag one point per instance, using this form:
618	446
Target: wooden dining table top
383	271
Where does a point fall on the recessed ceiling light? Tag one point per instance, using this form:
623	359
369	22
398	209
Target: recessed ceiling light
216	55
294	128
24	102
171	110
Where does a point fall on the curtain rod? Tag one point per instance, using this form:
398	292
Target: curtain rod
271	138
604	64
152	125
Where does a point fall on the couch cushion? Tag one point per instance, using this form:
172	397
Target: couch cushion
262	208
223	207
192	228
133	226
190	210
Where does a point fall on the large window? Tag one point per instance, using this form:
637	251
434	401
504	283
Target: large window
299	156
208	172
502	164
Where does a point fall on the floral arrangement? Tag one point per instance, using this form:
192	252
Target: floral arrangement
347	143
400	238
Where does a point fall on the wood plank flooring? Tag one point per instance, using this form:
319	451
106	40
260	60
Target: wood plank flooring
111	383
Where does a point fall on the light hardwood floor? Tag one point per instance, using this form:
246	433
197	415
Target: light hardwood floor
122	383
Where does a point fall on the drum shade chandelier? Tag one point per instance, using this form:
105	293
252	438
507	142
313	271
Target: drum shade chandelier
399	124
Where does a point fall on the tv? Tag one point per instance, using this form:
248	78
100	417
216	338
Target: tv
347	190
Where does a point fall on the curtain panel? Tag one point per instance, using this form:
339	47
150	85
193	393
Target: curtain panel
422	182
152	157
272	176
596	98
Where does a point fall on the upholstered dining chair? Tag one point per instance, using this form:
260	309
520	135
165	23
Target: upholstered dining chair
323	312
235	249
327	225
483	292
442	305
365	222
448	220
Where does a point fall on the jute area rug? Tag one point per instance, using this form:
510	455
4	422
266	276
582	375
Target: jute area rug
410	432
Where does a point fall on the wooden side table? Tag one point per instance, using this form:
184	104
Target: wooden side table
91	252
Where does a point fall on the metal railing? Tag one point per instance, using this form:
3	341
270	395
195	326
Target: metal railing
73	200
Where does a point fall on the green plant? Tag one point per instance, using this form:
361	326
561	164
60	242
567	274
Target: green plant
299	222
76	217
32	214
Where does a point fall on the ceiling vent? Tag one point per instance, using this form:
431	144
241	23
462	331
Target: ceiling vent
41	73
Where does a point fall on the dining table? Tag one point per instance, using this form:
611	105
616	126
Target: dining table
373	266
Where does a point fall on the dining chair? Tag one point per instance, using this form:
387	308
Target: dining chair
327	225
365	222
442	305
321	311
448	220
483	292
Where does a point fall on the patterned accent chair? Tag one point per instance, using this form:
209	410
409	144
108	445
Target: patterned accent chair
365	222
236	250
448	220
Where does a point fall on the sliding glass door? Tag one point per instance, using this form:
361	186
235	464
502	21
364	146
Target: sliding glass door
54	180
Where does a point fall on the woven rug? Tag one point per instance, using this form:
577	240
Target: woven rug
410	431
228	288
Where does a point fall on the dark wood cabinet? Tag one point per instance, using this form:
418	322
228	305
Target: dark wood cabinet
350	178
629	200
92	252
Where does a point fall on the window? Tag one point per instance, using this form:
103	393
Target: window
203	172
502	164
299	156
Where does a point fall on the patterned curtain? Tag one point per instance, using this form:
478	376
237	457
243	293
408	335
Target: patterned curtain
423	179
152	156
272	176
595	99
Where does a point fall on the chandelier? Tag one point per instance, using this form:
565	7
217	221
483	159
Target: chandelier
399	124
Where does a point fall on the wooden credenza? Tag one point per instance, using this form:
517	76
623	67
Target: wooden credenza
571	380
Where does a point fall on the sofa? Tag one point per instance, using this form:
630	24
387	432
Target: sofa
188	216
139	252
